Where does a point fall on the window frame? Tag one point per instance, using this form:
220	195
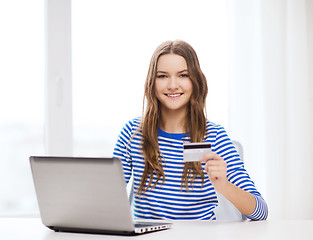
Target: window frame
58	78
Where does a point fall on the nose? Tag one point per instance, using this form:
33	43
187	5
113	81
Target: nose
172	83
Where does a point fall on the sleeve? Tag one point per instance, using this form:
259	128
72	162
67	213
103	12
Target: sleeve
122	150
237	174
261	211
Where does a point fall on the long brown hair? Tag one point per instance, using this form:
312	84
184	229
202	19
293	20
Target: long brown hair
195	122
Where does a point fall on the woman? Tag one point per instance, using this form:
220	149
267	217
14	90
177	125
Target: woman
151	147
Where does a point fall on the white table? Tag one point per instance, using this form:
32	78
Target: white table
33	229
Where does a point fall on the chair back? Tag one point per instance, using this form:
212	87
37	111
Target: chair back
226	211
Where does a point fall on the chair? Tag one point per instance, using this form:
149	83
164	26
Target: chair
225	211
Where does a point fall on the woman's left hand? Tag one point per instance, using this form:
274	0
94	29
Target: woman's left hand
216	168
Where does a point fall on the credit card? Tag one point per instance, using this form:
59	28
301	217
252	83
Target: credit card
194	151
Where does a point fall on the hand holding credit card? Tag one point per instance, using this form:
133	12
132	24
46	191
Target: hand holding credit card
194	151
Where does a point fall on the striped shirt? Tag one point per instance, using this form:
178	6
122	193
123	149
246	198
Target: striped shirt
168	199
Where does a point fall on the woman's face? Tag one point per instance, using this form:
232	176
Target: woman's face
173	87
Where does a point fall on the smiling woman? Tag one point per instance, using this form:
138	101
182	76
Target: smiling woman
150	147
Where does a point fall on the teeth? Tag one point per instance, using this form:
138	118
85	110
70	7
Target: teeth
173	95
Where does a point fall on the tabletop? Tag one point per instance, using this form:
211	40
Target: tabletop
32	228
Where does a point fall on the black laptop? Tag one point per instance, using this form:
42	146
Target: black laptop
85	195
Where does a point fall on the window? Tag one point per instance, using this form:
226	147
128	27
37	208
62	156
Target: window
21	102
112	45
112	42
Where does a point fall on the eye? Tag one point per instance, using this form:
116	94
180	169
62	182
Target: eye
184	75
161	76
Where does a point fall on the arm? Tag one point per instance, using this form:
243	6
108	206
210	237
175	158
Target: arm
216	169
122	149
229	177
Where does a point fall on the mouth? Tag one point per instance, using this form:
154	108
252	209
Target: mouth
173	95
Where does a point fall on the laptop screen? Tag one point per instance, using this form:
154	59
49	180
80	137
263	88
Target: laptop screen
87	193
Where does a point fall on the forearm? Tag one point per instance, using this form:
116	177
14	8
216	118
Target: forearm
253	206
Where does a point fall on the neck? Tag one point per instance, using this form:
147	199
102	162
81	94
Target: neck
173	121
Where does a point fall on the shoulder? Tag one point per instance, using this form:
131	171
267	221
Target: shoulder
131	127
213	128
217	135
133	123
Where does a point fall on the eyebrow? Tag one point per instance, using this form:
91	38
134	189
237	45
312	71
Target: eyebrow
185	70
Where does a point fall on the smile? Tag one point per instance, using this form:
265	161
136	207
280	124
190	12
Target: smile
173	95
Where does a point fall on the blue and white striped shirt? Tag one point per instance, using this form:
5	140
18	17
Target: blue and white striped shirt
170	200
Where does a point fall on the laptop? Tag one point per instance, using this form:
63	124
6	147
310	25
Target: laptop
85	195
